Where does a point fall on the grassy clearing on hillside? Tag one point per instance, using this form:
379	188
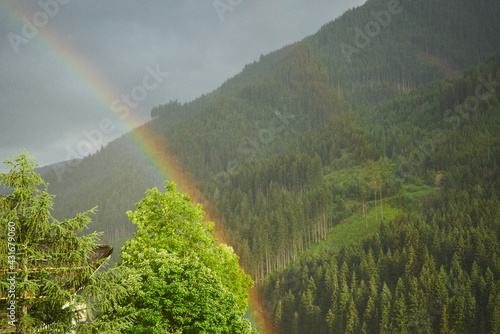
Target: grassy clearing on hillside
355	227
415	192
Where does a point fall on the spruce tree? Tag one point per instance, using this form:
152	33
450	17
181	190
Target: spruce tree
47	276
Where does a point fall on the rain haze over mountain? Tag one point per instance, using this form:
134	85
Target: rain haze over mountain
67	66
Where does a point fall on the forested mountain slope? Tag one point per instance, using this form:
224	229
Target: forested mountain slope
114	179
313	80
287	147
386	47
436	267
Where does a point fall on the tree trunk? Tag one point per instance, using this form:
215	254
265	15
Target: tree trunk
381	206
364	211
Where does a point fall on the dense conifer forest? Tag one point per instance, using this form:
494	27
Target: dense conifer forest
435	267
355	172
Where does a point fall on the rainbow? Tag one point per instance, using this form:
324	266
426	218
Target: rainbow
165	163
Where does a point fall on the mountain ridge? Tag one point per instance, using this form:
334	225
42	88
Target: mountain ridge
235	128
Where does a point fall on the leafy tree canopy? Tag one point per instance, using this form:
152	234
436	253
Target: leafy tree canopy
180	280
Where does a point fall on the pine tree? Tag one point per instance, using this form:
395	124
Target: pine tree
278	318
352	318
331	319
50	269
295	323
385	313
369	317
307	308
400	320
495	320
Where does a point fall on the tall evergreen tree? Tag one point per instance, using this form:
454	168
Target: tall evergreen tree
48	270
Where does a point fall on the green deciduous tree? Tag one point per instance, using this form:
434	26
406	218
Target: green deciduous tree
183	282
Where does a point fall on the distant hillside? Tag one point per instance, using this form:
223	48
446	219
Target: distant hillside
113	179
387	47
287	129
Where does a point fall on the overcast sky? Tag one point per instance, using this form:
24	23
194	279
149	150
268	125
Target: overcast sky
69	68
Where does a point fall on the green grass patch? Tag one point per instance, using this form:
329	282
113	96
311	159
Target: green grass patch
355	228
414	192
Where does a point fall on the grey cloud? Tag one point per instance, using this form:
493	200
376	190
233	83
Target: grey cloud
47	103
